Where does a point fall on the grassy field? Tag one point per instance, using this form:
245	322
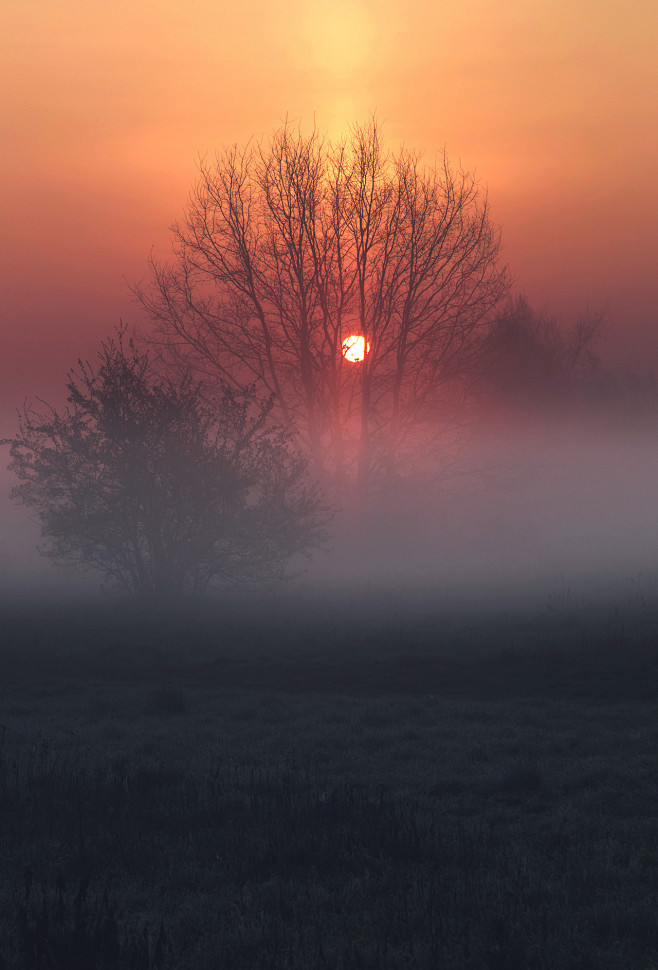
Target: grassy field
201	792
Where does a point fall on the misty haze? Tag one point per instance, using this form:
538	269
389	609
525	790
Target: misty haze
522	519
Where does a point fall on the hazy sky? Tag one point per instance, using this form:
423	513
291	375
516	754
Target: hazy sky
106	106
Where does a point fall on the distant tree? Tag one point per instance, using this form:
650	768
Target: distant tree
529	359
161	489
289	248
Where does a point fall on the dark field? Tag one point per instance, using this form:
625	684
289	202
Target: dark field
200	791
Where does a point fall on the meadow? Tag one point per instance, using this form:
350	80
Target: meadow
307	790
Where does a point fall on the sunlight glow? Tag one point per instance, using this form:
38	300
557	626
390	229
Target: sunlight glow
339	37
353	348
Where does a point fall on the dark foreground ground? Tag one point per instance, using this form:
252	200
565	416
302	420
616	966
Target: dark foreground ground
202	791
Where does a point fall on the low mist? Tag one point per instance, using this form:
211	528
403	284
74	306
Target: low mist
551	516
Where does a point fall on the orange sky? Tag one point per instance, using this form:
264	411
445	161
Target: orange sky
106	106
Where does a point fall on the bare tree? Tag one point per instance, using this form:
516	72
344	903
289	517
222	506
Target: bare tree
160	489
287	249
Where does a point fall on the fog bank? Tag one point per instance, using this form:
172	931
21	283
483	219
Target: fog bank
547	518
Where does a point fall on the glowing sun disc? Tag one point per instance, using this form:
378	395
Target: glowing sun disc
355	348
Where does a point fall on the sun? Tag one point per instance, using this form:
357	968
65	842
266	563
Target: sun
355	348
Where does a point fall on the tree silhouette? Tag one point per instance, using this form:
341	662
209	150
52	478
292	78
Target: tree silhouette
289	248
531	361
161	489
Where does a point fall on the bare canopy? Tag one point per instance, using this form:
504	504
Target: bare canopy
288	248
